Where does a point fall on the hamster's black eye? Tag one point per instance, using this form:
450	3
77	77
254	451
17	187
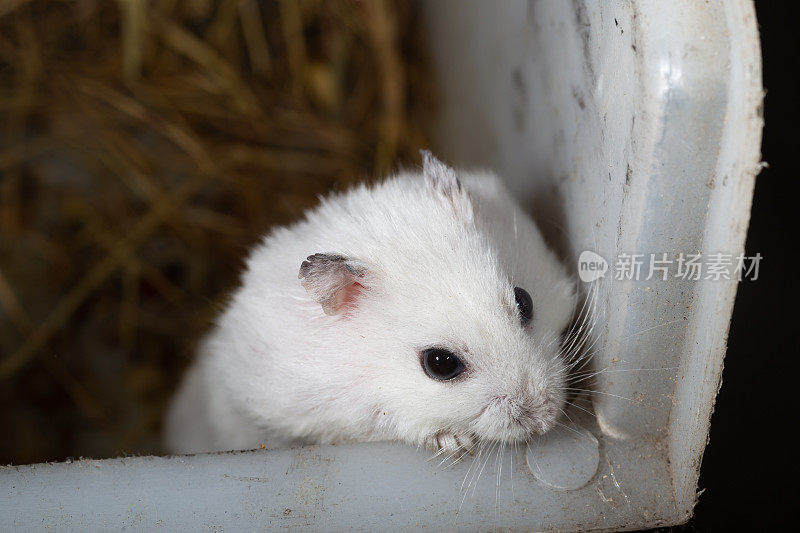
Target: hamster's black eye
524	304
441	364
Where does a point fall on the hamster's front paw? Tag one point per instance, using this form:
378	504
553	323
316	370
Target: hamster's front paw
449	444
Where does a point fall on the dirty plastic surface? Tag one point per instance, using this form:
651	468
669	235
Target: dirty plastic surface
630	127
627	127
371	487
566	458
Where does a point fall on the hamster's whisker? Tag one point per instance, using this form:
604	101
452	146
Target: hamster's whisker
551	340
579	399
572	430
580	354
533	456
566	415
458	454
586	327
589	335
485	462
511	468
436	454
589	302
575	405
651	328
581	357
443	461
487	449
475	462
500	454
585	351
599	392
570	343
577	318
481	447
477	467
577	337
582	444
576	350
608	370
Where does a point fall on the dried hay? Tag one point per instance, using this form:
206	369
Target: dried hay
144	146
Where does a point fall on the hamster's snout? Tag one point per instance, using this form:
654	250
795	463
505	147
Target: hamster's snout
514	418
535	417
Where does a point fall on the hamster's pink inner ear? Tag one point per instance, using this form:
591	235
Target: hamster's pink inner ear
443	180
333	280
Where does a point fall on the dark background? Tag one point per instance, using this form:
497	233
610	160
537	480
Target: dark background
749	468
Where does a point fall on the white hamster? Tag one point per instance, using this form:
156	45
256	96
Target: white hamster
427	309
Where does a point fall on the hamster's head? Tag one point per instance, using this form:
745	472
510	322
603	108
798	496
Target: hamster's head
455	333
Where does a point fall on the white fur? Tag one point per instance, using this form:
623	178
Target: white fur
441	263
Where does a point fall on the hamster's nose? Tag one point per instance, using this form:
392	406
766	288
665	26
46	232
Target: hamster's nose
537	417
548	415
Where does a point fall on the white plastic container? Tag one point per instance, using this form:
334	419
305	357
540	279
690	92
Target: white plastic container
635	127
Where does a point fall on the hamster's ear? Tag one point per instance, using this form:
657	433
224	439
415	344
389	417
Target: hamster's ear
443	179
333	280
